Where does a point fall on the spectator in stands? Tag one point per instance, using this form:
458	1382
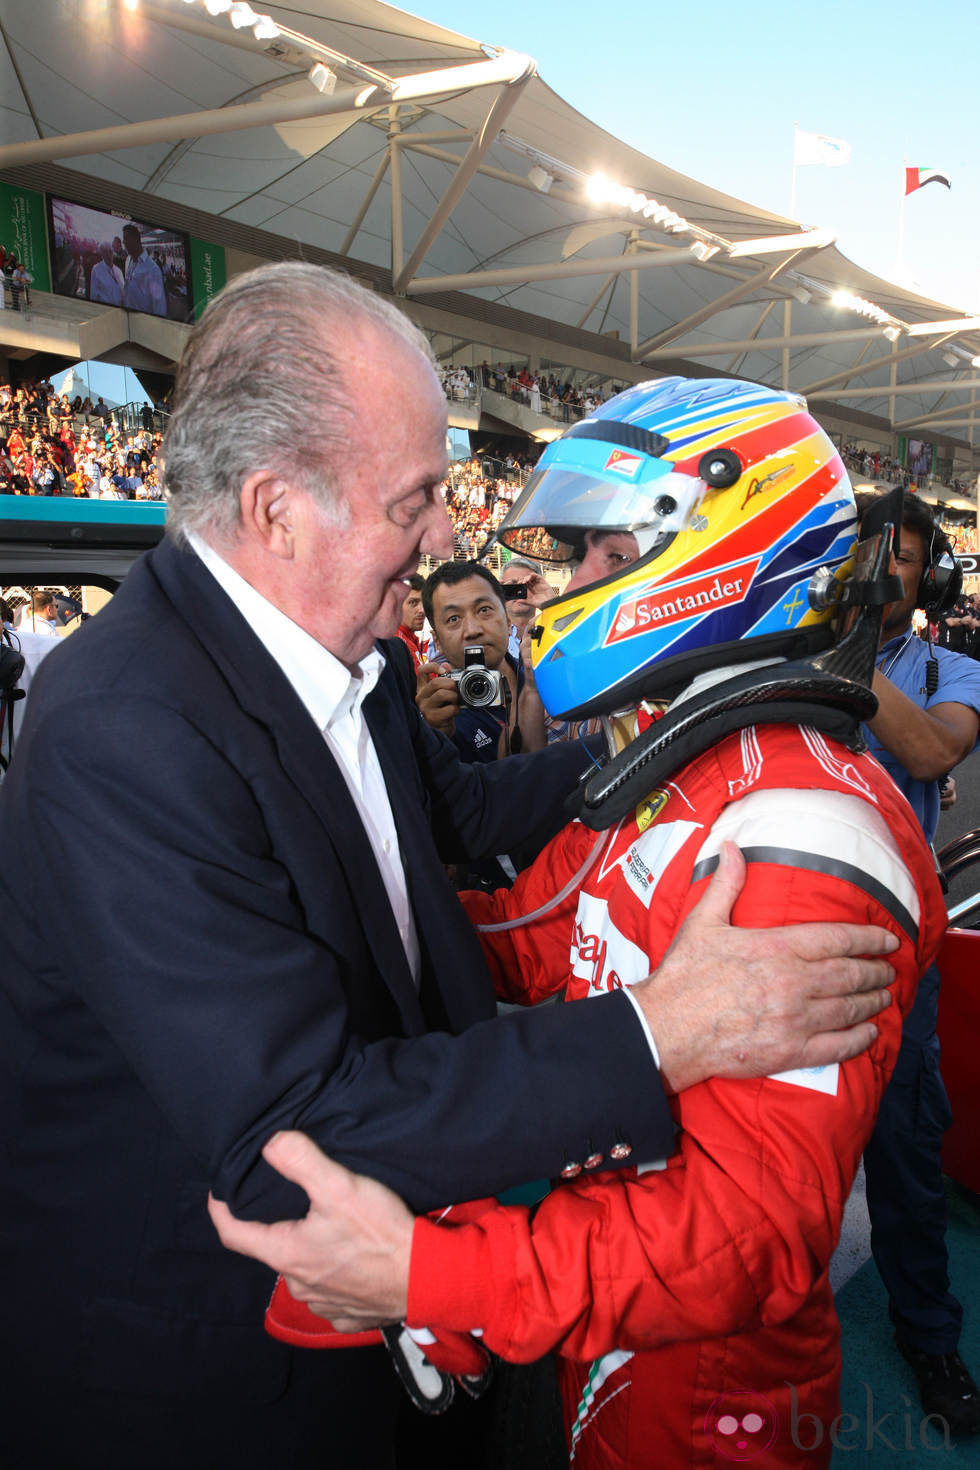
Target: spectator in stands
152	484
107	279
20	281
45	476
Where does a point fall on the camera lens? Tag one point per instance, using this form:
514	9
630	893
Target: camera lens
478	688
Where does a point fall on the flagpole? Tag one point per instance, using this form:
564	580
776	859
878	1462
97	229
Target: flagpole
901	221
792	192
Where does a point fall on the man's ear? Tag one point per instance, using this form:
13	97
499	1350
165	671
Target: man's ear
267	505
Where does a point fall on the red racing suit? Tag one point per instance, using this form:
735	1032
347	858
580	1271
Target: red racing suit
689	1298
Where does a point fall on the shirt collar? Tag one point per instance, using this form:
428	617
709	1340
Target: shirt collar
894	642
326	687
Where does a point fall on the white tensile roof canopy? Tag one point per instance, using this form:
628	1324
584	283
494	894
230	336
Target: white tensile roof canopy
454	167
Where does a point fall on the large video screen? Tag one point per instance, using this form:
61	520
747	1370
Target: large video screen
116	260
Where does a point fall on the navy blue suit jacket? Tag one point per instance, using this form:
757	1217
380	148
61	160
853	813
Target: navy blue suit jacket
199	951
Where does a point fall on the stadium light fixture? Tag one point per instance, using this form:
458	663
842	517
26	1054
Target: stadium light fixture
323	78
702	251
217	7
540	178
864	308
601	190
893	333
266	30
242	14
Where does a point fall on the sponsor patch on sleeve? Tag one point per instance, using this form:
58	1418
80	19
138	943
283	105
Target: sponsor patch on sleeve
817	1079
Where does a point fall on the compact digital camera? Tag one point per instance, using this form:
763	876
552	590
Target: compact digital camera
476	685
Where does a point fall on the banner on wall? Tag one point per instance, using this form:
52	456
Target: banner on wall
23	232
208	272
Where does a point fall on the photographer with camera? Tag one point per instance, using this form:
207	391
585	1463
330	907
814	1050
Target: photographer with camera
483	698
524	591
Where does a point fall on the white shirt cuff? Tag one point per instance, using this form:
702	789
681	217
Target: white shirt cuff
643	1022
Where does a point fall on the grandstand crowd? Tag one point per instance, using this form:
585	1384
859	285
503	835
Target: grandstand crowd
540	392
49	446
52	446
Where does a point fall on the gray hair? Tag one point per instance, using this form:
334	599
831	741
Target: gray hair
259	366
521	561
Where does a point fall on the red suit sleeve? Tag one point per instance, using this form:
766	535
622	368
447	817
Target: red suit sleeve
734	1231
530	961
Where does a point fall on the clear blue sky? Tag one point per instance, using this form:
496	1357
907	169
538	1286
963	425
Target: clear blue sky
713	89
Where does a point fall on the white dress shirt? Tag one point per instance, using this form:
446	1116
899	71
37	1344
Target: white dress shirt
333	696
143	289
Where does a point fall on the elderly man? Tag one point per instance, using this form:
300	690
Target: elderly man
107	281
261	936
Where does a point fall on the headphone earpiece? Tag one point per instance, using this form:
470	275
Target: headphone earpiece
942	577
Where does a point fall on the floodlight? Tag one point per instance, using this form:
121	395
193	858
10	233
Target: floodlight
323	78
242	14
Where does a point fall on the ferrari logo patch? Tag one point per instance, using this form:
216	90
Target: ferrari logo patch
650	808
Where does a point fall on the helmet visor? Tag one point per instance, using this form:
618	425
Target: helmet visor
593	486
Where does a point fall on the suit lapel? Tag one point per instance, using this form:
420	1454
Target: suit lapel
263	691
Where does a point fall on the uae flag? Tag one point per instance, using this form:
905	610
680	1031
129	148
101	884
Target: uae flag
917	178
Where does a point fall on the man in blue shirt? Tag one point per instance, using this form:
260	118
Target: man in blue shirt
927	722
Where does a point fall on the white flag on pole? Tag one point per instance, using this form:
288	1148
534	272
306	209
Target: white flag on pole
818	148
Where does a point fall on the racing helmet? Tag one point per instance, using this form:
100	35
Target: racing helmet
744	523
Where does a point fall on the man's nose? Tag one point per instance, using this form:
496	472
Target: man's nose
438	538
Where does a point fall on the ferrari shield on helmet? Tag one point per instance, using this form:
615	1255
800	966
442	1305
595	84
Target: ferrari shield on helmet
744	524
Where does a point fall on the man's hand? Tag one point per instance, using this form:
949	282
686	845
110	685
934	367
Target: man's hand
348	1258
728	1002
437	698
539	589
